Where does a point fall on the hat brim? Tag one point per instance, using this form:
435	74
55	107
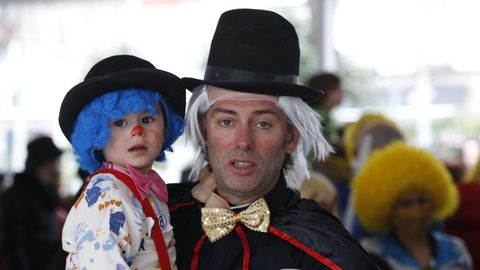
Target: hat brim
266	88
165	83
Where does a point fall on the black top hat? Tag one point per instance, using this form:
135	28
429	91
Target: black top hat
255	51
116	73
40	150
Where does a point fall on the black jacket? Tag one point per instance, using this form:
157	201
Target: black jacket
29	224
301	236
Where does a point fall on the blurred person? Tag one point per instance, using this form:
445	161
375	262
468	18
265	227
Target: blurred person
331	86
336	168
29	209
320	189
398	194
249	123
456	170
122	118
65	204
465	222
371	131
473	173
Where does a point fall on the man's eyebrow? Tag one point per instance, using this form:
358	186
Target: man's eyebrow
256	113
266	111
223	110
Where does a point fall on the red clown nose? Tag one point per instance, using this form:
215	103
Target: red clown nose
137	130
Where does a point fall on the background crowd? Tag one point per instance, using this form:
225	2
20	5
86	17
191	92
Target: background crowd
408	207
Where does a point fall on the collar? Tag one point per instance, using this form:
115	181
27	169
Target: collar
281	197
144	183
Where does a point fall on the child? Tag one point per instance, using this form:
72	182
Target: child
119	120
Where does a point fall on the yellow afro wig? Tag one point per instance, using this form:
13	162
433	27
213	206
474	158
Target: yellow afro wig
352	133
394	170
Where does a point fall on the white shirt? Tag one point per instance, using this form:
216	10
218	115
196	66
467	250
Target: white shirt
107	229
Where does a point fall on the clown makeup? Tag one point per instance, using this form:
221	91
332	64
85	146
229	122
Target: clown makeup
136	139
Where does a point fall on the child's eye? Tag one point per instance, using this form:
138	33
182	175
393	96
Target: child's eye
147	119
119	123
263	125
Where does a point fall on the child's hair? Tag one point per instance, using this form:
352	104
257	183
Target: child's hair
91	131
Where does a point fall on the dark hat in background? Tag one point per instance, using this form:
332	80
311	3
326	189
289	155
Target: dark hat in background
115	73
40	150
255	51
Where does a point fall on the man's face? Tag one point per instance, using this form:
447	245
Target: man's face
247	141
48	173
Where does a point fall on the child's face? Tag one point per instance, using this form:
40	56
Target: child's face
136	139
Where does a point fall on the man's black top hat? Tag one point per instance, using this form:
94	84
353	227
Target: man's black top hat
255	51
41	149
116	73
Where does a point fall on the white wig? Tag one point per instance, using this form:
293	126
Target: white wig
299	115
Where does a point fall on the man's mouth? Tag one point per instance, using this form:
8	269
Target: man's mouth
242	164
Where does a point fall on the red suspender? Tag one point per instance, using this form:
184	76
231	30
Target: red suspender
243	238
246	246
317	256
147	208
196	252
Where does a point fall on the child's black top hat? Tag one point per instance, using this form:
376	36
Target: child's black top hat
255	51
116	73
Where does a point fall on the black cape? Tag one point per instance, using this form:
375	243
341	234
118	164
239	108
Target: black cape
310	237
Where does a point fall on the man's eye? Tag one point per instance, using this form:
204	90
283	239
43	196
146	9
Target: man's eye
225	122
119	123
147	119
263	125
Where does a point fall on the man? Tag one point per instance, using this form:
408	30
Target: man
31	239
248	121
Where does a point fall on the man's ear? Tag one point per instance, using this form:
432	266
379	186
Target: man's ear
292	139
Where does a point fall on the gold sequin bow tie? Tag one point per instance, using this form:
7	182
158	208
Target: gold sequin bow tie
218	222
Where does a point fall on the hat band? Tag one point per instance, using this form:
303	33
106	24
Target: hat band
221	74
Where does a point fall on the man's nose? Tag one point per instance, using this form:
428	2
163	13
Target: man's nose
137	130
244	139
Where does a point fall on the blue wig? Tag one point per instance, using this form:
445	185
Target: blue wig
91	131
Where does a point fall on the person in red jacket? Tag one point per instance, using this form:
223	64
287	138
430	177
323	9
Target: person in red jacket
465	223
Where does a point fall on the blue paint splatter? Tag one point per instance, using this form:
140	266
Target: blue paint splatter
117	220
109	244
92	194
88	236
142	245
